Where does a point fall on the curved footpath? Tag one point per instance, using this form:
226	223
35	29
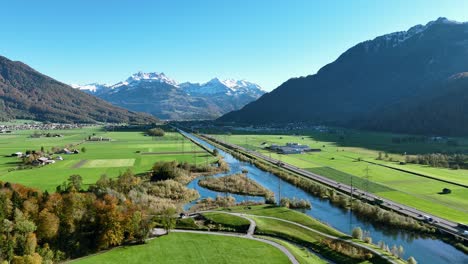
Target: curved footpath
253	225
248	235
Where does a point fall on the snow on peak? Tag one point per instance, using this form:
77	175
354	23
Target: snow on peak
151	76
214	86
92	87
397	38
232	84
229	87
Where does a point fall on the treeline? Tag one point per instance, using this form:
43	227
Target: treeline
453	161
38	227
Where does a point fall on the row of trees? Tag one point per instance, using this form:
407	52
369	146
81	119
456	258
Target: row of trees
454	161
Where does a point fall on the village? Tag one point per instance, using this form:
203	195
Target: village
9	128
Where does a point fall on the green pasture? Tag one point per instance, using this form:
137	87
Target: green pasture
192	248
126	150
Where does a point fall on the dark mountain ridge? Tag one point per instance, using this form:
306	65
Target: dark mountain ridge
364	82
28	94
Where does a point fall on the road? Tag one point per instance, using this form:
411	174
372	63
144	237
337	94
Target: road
442	224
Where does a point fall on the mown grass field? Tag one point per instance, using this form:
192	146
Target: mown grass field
126	150
192	248
238	223
338	160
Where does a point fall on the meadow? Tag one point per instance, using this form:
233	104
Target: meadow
192	248
349	156
126	150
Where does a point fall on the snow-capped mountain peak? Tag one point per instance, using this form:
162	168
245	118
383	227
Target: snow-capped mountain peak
151	76
215	86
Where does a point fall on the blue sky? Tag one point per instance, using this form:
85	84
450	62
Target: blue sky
264	41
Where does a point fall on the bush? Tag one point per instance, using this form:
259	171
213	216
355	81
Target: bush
411	260
156	132
357	233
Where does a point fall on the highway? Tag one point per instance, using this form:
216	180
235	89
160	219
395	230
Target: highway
443	225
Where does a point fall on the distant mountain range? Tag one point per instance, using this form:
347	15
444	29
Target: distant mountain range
165	98
414	81
28	94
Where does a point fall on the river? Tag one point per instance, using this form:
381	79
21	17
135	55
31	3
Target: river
425	250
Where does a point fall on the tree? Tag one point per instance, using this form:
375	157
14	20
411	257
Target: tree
74	182
168	219
401	251
48	224
156	132
83	149
357	233
411	260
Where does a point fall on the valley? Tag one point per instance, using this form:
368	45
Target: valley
302	132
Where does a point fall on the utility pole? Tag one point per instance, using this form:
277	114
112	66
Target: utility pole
279	181
367	177
279	191
351	205
225	192
194	154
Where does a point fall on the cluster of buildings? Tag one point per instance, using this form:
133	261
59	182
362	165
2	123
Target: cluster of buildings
39	159
292	148
38	126
99	139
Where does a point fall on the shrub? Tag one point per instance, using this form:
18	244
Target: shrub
411	260
357	233
156	132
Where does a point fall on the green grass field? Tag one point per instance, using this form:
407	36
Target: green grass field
126	150
238	223
192	248
338	160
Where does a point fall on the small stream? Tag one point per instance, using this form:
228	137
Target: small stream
425	250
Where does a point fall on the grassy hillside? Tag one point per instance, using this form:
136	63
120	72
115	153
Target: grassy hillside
192	248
